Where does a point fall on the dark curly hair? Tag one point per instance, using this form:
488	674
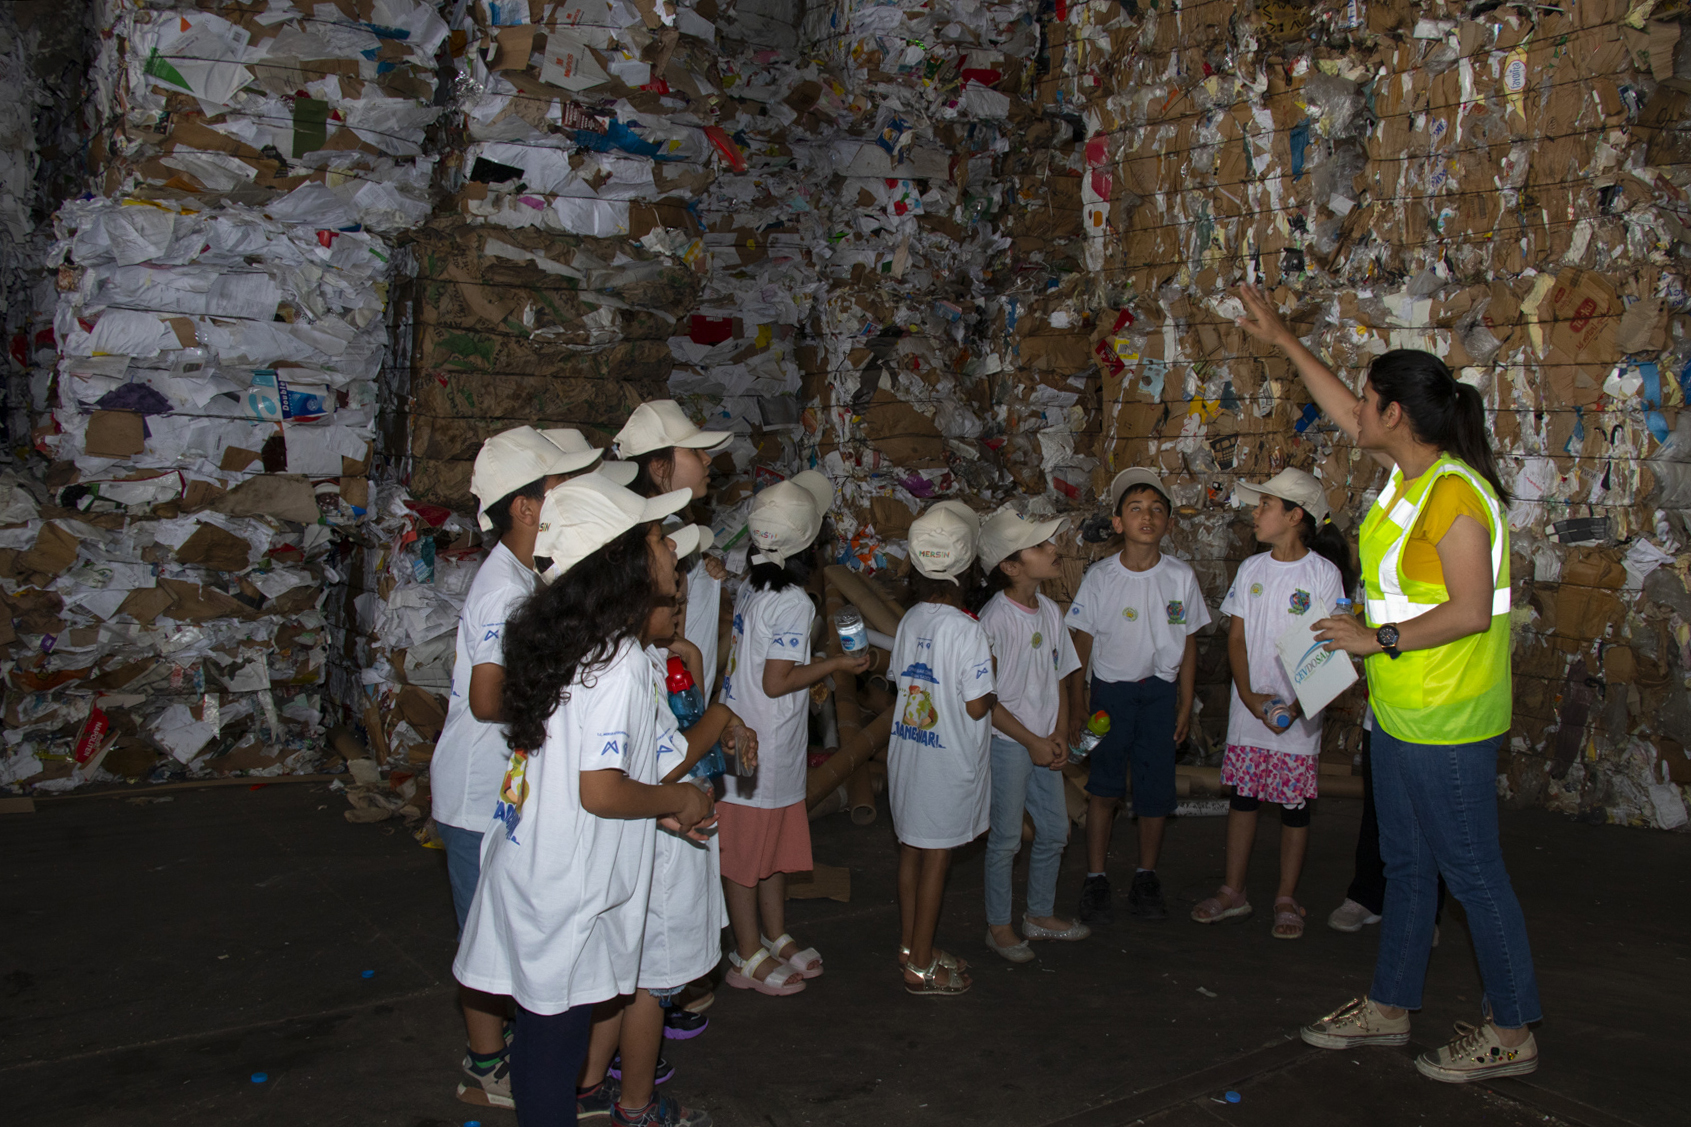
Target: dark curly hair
567	632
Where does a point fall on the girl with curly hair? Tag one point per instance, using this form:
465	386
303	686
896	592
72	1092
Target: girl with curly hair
560	908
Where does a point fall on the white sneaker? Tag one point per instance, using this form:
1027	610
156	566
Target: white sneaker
1351	916
1477	1054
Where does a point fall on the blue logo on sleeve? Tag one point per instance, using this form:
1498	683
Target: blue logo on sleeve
491	634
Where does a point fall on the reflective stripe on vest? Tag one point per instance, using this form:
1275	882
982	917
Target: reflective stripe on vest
1393	604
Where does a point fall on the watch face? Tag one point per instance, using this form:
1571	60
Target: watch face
1386	635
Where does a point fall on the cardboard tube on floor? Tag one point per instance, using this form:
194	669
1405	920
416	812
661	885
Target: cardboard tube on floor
854	752
878	612
832	803
860	795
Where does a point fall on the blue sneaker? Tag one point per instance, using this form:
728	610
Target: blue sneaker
663	1074
661	1112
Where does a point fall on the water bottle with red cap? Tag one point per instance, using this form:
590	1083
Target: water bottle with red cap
688	705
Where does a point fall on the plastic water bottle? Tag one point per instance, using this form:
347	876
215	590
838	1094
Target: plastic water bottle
1277	713
1342	606
1096	729
688	705
854	635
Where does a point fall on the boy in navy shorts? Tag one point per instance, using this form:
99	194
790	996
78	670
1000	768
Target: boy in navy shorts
1134	618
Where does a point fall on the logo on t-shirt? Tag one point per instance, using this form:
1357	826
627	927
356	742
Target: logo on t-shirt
1130	614
491	634
919	718
920	671
1176	612
1300	602
1256	588
513	792
1038	639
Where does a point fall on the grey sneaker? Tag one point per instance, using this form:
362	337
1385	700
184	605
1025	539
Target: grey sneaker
487	1089
1351	917
663	1111
597	1104
1477	1054
1357	1022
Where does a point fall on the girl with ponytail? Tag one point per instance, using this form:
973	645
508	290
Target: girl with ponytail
1271	756
1435	571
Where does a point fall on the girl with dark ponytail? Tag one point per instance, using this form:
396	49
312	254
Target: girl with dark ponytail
1435	568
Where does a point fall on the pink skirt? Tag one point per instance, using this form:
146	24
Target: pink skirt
758	842
1272	776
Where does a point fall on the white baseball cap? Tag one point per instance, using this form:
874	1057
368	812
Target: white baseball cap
515	458
1128	479
699	540
1296	486
1007	533
661	423
786	516
572	441
585	513
942	541
970	517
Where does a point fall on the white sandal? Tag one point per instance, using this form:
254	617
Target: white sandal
807	962
783	980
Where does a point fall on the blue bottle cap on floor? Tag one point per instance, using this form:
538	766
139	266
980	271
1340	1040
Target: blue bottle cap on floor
369	974
1233	1097
260	1077
472	1123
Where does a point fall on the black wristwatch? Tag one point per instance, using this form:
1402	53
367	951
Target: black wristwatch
1387	637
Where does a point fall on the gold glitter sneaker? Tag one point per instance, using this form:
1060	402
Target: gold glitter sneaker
1477	1054
1357	1022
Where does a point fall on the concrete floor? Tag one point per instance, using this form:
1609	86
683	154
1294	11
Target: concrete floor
155	955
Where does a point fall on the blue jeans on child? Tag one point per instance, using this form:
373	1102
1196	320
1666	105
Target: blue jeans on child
463	867
1017	785
1142	723
1437	806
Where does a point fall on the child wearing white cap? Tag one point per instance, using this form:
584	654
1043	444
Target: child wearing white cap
1294	583
1032	657
513	471
1135	619
938	763
567	858
664	451
765	831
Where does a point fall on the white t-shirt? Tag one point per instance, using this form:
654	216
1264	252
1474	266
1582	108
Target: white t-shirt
561	904
1034	654
470	756
1273	597
704	619
939	762
1139	620
769	624
686	915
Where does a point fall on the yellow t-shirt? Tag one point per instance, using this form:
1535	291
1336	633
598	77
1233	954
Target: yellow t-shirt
1452	497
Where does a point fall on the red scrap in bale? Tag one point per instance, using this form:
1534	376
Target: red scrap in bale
709	330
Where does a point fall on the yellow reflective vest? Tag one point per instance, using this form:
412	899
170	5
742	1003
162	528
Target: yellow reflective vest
1459	692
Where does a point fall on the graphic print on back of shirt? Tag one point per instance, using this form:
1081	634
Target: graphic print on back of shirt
733	657
513	791
920	716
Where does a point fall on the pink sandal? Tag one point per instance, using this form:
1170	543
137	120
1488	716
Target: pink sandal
807	962
1288	922
783	980
1214	910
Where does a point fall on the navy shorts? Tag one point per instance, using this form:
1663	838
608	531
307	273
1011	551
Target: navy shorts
1142	721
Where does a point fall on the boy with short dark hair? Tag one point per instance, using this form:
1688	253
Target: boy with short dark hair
513	472
1134	620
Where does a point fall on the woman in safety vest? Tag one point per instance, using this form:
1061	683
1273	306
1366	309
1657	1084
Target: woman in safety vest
1435	563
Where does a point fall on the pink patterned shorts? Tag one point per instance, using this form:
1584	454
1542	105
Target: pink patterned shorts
1272	776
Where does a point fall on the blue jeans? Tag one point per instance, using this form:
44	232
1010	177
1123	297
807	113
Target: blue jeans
1016	785
463	867
1437	806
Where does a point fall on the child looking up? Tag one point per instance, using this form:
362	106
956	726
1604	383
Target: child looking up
1032	656
512	474
1295	582
559	911
938	764
1134	618
765	831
